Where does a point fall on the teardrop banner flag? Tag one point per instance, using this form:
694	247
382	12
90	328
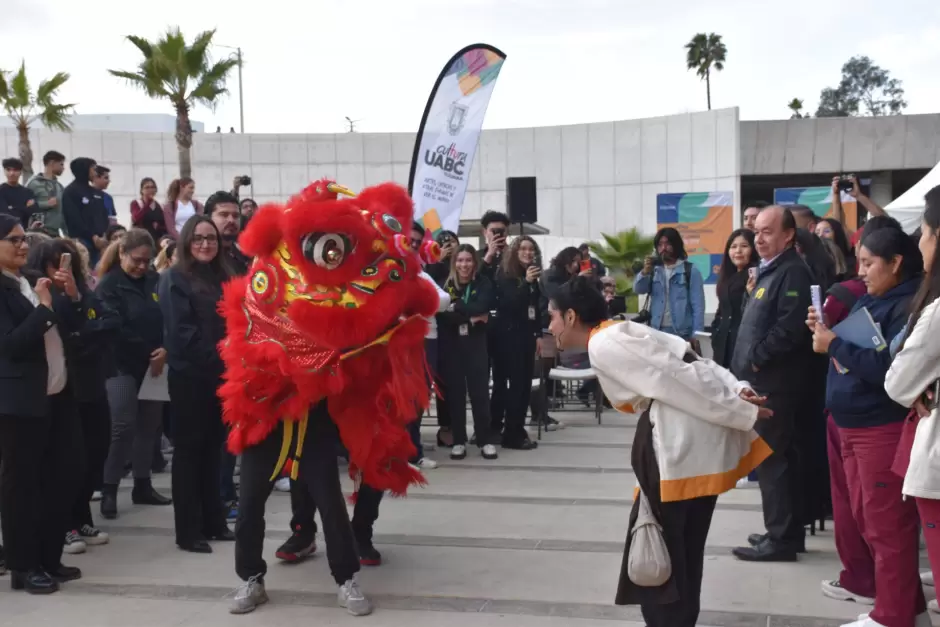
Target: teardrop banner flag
448	135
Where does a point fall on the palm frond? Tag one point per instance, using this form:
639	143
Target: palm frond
48	88
145	47
212	83
19	96
56	117
4	88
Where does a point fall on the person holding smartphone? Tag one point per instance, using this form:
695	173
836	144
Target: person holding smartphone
495	230
675	286
516	330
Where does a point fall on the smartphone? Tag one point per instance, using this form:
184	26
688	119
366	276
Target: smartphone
586	265
752	273
499	233
65	262
816	295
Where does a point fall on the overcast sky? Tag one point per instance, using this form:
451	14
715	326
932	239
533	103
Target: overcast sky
310	64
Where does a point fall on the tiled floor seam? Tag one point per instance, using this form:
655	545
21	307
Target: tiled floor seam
519	607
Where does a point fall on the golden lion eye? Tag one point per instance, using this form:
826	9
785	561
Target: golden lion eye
327	250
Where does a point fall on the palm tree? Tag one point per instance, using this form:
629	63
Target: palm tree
184	75
24	107
704	53
623	254
796	106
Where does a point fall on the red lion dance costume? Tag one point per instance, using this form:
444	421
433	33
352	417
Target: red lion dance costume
331	308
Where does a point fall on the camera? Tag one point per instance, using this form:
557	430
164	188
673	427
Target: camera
244	181
846	183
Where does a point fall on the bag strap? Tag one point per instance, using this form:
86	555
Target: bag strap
843	294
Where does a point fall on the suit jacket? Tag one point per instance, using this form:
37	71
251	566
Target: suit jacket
23	368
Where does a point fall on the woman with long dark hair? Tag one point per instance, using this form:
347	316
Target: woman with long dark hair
146	212
129	288
180	205
833	230
564	266
463	351
38	425
740	256
90	363
698	407
912	381
516	330
871	423
189	298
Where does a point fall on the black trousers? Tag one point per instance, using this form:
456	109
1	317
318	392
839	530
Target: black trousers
466	371
779	475
320	473
95	419
499	395
514	361
197	457
40	474
685	529
365	513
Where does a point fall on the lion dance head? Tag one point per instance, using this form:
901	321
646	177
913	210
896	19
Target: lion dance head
332	308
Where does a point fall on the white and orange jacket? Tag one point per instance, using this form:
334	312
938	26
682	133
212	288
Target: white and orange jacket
703	432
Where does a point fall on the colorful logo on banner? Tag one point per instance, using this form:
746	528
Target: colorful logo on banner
449	134
704	220
819	199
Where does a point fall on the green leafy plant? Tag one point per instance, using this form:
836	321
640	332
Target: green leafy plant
185	75
623	254
705	53
25	107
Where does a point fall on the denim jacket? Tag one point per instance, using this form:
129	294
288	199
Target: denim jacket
687	306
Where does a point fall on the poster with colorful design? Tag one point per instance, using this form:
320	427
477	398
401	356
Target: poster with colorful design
704	220
448	135
819	199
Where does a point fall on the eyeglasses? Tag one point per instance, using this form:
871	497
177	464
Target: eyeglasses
208	240
139	261
16	240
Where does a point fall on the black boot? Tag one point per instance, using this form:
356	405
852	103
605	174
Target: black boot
144	494
109	501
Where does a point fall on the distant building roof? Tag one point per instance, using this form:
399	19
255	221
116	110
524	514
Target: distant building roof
124	122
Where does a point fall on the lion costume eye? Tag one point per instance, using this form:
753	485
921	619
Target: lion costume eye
327	250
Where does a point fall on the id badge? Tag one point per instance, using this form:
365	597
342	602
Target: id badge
531	313
464	330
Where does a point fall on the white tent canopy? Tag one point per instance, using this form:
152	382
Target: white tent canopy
909	207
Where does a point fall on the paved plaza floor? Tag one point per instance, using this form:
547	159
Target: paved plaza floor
533	539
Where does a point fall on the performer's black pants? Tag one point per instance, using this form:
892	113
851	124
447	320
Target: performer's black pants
779	474
366	512
513	367
320	473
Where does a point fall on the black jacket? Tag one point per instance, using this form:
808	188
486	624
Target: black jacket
238	262
89	352
24	371
474	299
193	327
515	297
82	205
731	295
137	304
19	201
773	336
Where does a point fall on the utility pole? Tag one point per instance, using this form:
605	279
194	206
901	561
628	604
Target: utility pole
241	94
352	124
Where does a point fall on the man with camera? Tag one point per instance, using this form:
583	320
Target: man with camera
676	290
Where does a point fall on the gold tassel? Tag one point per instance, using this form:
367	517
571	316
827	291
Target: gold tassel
301	435
285	449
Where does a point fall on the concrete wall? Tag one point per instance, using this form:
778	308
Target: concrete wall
124	122
840	145
592	178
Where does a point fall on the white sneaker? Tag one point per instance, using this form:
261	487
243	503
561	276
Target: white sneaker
93	536
864	620
426	463
282	484
458	451
96	496
926	578
249	596
351	597
489	452
74	543
934	607
834	590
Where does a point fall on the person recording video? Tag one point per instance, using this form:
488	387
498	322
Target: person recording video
675	287
495	230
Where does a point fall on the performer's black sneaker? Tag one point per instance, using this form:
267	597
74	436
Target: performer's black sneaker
368	556
298	547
